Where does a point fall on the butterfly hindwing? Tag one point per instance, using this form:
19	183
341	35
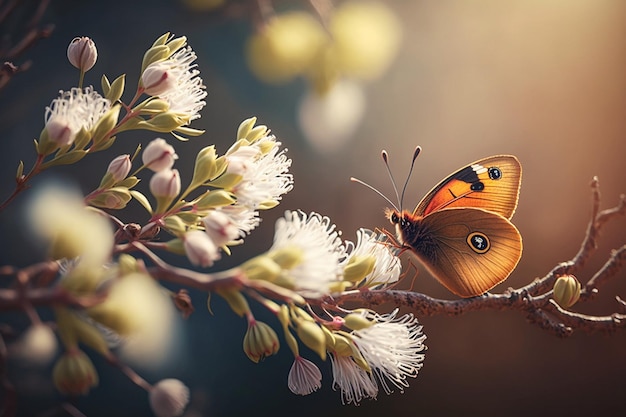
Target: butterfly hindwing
469	250
491	184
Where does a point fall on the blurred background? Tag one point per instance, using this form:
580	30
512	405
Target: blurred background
545	81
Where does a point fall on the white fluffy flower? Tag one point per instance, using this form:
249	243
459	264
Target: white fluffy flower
265	175
243	218
387	267
393	347
354	382
304	377
168	398
176	80
323	253
73	110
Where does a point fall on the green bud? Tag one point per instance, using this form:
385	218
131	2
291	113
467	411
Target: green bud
175	246
214	198
261	268
205	167
358	267
175	225
257	133
114	198
101	131
226	181
74	373
164	122
342	345
312	336
260	341
235	300
127	264
356	322
288	257
245	127
566	291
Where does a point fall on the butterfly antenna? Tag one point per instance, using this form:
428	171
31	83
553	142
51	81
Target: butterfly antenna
416	153
385	157
375	190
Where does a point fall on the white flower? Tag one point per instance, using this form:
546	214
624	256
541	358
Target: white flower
220	228
387	267
73	110
304	377
82	53
392	347
176	81
264	171
353	381
168	398
322	251
159	155
200	249
245	219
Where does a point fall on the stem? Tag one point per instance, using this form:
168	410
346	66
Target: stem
22	182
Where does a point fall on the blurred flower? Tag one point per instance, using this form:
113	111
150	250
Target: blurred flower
60	217
165	183
82	53
37	345
392	347
387	266
322	252
220	228
330	119
245	219
74	373
366	36
260	341
71	111
176	80
200	248
159	155
119	167
285	46
354	382
168	398
304	377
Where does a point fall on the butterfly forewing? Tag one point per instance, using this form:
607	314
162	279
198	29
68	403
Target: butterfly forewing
469	250
491	184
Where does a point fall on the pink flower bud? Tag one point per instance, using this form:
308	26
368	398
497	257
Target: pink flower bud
82	53
220	227
157	78
60	131
165	183
158	155
200	249
120	167
168	398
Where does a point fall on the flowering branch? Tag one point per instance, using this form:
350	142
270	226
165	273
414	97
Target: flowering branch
535	300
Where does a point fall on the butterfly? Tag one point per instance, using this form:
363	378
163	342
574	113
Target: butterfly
461	230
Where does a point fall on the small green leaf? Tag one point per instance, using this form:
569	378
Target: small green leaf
20	170
117	88
106	85
142	200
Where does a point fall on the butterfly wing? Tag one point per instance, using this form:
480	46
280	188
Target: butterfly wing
491	183
469	250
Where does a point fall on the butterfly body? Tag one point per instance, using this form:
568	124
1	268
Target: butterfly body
461	229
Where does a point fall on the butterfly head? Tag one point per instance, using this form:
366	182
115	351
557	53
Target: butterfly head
403	221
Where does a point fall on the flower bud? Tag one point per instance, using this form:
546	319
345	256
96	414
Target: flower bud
261	268
354	321
114	198
158	155
120	167
60	131
74	373
168	398
82	53
260	341
358	267
566	290
200	249
235	300
157	78
312	336
205	167
220	227
215	198
165	183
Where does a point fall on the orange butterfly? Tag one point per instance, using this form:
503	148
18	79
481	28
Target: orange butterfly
461	230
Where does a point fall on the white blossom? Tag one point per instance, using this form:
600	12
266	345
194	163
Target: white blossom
177	81
265	175
200	249
393	347
387	267
322	251
304	377
159	155
245	219
73	110
220	227
353	381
